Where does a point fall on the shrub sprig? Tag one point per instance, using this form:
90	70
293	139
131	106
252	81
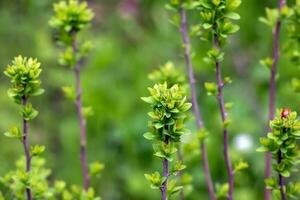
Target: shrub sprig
70	18
174	75
217	18
169	110
24	74
292	45
282	143
14	182
217	24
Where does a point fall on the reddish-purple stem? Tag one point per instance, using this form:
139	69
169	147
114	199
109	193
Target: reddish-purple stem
192	83
166	174
164	187
272	91
223	112
82	122
26	148
280	178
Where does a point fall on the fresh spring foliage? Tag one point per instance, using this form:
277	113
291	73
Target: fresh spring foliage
169	110
217	19
144	34
38	180
174	75
282	143
168	115
70	18
17	180
168	73
270	19
272	14
217	24
213	13
24	74
292	45
293	22
24	77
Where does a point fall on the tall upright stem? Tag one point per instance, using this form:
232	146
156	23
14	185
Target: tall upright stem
82	122
280	179
26	148
164	187
192	83
272	90
223	112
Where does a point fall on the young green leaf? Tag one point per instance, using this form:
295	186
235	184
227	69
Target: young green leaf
14	132
36	150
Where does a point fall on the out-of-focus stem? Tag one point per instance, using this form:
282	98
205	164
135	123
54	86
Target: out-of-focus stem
223	112
26	148
82	122
272	90
192	83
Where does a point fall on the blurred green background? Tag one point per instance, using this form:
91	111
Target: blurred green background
131	38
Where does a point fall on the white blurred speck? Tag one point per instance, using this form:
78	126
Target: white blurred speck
243	142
